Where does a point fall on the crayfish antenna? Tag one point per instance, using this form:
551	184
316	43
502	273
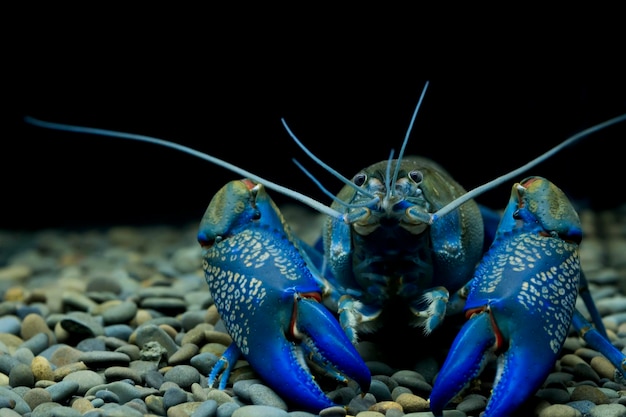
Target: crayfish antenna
406	136
328	193
504	178
314	204
321	163
391	180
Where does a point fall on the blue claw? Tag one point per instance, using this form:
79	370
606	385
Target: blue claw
526	353
315	336
521	301
269	300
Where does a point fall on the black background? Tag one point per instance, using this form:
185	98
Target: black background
346	86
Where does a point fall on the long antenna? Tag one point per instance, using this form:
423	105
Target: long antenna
494	183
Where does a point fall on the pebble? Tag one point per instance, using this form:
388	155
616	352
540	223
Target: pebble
608	410
259	410
10	324
103	359
63	390
226	409
412	403
183	376
560	410
205	409
37	396
184	354
42	369
21	375
150	334
260	394
472	404
86	379
37	344
132	330
174	396
34	324
118	373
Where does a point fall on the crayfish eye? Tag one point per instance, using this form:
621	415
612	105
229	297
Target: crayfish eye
256	215
416	176
359	179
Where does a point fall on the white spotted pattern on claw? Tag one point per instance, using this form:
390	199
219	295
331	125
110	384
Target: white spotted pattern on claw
236	292
232	269
544	272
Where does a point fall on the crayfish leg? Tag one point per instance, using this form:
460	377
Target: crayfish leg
222	368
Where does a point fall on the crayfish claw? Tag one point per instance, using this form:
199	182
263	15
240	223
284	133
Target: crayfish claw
285	360
466	359
521	301
327	345
269	299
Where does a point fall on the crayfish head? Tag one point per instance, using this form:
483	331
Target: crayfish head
385	201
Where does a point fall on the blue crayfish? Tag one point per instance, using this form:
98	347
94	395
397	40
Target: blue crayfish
403	242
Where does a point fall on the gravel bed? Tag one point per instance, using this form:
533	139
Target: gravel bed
120	322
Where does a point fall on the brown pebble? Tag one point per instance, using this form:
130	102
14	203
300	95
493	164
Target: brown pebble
196	335
118	373
141	317
82	405
14	272
102	307
569	359
184	409
44	383
603	367
383	406
213	336
215	348
212	315
169	330
559	410
15	293
11	341
219	396
370	414
36	396
184	354
65	355
587	353
34	324
165	369
63	371
155	404
587	392
412	403
42	370
199	393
